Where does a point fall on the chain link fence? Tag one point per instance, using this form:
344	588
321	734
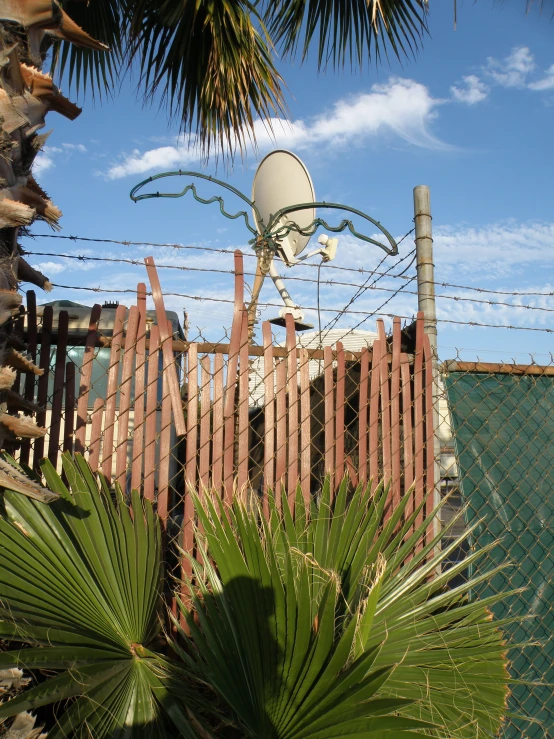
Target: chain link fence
503	438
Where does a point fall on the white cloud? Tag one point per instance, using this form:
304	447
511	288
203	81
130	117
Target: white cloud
513	70
43	161
502	249
546	83
50	268
402	107
472	91
75	147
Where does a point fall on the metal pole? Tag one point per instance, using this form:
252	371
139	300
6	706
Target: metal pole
426	304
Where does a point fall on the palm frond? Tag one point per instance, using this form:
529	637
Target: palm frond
332	623
211	63
80	583
346	30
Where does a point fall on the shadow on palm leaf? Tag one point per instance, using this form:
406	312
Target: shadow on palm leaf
336	623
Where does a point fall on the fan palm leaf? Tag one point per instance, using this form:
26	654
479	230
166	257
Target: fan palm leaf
80	583
333	623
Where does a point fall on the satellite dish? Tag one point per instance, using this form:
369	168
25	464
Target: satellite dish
282	180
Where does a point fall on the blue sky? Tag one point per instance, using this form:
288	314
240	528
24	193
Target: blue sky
471	116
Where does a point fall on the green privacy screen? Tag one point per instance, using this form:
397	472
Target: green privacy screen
503	429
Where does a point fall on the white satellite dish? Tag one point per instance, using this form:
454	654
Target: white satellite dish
282	180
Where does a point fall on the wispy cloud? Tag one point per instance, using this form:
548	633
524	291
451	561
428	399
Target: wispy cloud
513	70
400	107
470	91
546	82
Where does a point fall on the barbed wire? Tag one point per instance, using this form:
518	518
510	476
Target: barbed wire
362	288
359	270
310	308
375	312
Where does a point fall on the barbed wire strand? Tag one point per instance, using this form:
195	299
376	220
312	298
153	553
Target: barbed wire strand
310	308
210	270
359	270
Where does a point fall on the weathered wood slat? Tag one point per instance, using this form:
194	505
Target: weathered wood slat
305	425
429	426
232	368
242	435
42	391
329	409
164	451
339	415
385	408
217	439
407	428
85	379
166	338
125	397
96	434
374	393
192	418
395	412
419	431
205	412
69	410
150	419
269	411
293	434
280	425
30	379
58	389
111	393
140	391
362	416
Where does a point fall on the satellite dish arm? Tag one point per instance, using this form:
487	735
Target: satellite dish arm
192	188
284	230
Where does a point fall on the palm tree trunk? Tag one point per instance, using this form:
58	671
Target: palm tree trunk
27	30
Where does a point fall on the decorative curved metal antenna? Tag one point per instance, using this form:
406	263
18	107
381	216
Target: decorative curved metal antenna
273	232
192	188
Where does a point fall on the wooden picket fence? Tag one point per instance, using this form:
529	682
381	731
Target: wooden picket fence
211	424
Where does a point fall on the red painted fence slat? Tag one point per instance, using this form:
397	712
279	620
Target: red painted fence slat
125	396
217	440
85	379
151	412
362	417
395	412
205	411
329	408
140	391
166	337
192	418
57	393
111	393
305	424
69	419
374	415
419	436
96	434
30	378
269	413
339	415
42	391
242	435
292	386
280	425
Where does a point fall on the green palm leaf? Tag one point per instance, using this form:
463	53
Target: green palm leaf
334	623
80	583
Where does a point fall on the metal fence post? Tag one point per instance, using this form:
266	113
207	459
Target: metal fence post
426	303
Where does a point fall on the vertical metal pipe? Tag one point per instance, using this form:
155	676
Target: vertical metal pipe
426	303
425	265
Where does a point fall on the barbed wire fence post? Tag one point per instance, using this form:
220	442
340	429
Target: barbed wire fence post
425	269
